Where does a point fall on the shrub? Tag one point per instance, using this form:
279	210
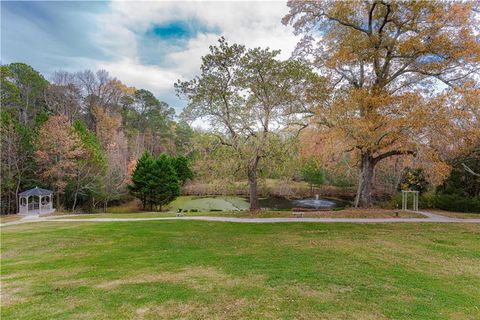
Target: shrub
449	202
454	202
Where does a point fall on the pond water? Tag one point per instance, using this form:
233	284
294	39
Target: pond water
310	203
232	203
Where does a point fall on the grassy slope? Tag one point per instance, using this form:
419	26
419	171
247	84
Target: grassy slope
188	269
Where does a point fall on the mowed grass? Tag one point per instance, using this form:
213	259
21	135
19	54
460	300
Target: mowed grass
346	213
216	270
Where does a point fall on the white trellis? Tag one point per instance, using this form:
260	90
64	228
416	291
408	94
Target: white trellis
405	194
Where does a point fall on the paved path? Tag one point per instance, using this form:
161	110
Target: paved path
429	218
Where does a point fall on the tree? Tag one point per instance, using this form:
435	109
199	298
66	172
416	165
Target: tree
154	181
91	167
465	177
182	168
64	97
399	69
245	95
183	137
312	173
139	186
157	121
163	182
16	160
59	152
413	179
10	95
30	87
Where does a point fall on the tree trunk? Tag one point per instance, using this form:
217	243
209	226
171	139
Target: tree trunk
364	192
74	202
252	181
58	199
76	193
17	190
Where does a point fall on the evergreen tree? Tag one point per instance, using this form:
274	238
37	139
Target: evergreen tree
163	181
313	174
140	186
182	167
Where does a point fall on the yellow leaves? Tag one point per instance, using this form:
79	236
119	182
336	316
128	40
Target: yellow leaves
114	83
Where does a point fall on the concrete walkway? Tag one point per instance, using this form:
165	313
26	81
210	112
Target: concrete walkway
429	218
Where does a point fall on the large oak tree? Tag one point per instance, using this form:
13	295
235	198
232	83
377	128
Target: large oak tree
399	71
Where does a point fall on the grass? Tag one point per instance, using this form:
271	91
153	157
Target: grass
346	213
459	215
207	270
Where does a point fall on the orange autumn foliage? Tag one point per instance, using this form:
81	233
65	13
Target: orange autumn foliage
58	150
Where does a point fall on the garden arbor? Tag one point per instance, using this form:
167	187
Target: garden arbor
405	194
35	201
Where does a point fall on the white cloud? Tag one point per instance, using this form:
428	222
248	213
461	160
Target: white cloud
250	23
131	71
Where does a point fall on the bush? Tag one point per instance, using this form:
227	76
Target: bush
449	202
454	202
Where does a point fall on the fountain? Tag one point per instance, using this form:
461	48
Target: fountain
316	203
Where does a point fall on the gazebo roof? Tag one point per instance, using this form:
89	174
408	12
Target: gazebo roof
35	192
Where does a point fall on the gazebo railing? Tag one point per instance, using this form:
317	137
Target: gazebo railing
33	206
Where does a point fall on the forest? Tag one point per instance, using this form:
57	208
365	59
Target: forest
375	108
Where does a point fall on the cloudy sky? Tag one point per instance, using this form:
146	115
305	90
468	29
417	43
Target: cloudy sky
145	44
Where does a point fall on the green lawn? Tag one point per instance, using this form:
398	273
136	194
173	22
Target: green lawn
212	270
347	213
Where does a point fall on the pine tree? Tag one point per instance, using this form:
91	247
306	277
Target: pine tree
182	167
140	185
163	181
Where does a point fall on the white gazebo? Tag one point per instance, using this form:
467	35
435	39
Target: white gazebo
35	201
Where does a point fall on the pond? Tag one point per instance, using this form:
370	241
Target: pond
232	203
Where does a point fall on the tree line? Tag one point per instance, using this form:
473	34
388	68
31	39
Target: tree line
79	134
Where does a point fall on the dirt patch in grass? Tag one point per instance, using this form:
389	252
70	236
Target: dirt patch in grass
9	218
199	278
11	297
224	309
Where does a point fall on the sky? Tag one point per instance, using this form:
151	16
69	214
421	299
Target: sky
144	44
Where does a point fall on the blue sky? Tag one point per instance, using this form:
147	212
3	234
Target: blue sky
144	44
